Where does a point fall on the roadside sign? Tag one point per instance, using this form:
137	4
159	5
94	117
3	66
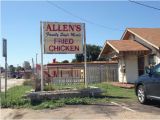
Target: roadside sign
4	47
63	38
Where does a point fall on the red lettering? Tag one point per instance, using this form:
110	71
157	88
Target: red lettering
63	41
65	27
54	27
71	28
78	28
48	28
63	48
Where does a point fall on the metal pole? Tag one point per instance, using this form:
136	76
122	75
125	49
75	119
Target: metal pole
41	56
33	65
0	79
5	55
85	58
36	62
5	76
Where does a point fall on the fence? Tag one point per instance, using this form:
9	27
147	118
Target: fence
102	73
96	73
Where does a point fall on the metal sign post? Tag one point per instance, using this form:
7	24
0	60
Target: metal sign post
0	78
41	56
85	58
5	55
36	63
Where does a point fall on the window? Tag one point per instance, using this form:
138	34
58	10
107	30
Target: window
157	70
151	59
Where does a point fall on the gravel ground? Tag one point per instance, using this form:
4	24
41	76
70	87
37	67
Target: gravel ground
11	83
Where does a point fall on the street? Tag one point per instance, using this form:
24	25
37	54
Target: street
107	111
10	83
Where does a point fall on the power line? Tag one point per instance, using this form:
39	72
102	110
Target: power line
144	5
85	20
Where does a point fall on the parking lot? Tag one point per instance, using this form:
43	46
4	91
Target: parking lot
107	111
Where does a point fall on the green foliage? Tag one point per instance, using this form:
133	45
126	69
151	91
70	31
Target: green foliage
117	93
65	61
76	101
74	60
49	87
110	93
93	52
19	68
14	97
11	68
52	104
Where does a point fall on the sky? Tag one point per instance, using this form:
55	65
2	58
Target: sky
105	20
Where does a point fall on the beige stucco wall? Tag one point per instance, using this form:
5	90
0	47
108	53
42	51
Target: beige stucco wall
121	75
131	69
157	58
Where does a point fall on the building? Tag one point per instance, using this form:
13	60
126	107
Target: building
138	48
97	71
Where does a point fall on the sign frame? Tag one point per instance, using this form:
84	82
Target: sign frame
83	51
63	37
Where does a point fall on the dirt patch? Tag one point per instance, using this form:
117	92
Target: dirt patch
123	85
95	112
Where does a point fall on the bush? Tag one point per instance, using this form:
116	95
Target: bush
49	87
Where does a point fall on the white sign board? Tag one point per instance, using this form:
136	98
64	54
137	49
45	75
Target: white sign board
63	38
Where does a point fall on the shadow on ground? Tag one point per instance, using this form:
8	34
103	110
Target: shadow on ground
154	103
18	115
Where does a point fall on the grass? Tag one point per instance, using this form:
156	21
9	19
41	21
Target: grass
63	86
14	96
117	93
111	93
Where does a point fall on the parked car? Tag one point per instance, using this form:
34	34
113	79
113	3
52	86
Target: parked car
147	87
18	76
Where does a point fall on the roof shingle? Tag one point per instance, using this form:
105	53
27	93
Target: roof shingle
126	45
150	35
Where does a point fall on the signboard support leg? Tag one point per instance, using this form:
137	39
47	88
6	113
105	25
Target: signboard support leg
85	58
41	56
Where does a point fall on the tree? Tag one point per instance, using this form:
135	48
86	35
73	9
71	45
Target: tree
19	68
93	52
65	61
26	65
74	60
1	70
11	68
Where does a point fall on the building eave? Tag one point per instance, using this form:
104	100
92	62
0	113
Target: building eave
157	47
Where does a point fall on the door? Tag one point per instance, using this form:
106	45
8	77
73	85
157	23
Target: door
140	65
